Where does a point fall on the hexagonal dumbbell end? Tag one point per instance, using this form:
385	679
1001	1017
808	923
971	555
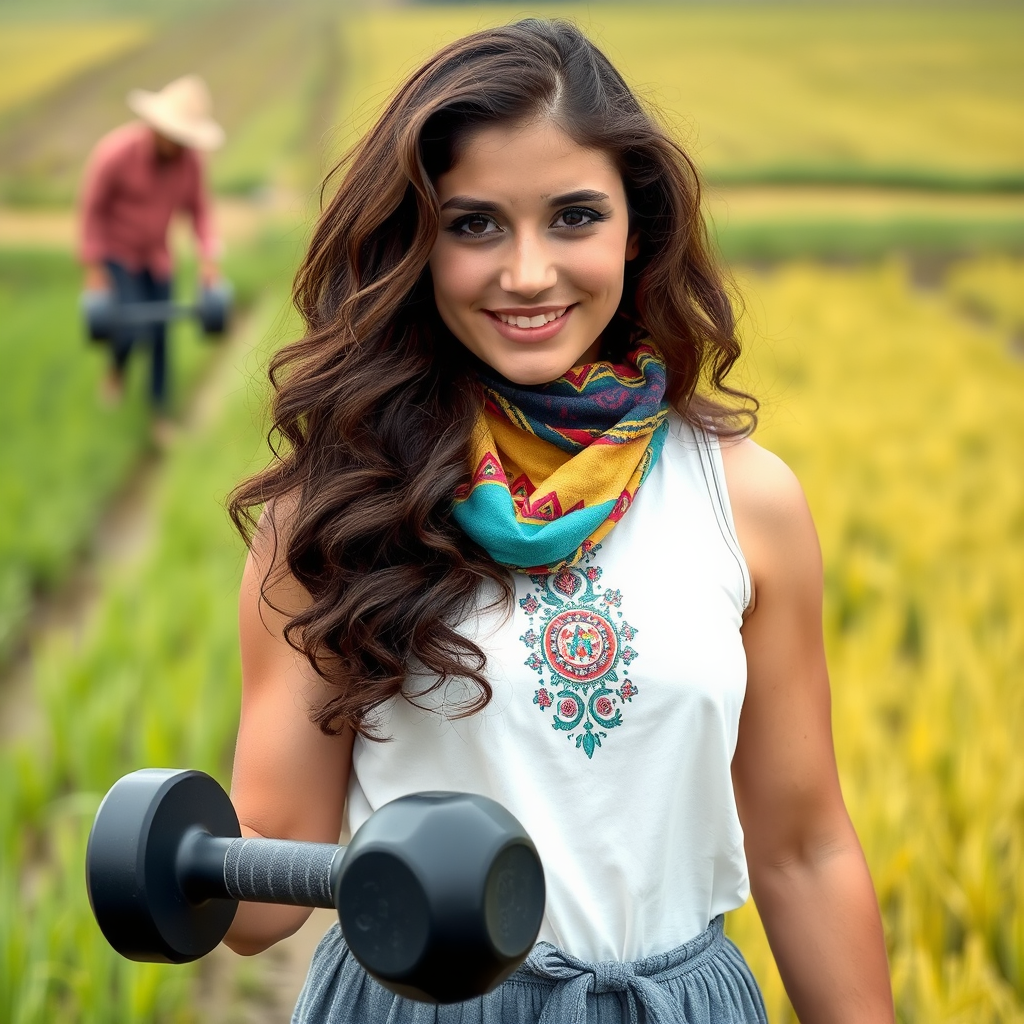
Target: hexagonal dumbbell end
441	895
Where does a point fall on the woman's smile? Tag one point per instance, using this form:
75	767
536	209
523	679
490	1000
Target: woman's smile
529	258
528	326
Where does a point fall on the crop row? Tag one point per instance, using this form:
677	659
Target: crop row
156	683
785	94
67	454
35	58
265	70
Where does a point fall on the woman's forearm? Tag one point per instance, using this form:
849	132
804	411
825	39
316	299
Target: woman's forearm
257	926
822	920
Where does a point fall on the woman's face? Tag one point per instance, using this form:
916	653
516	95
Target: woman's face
529	257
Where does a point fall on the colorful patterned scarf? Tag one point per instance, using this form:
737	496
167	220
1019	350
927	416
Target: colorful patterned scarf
557	466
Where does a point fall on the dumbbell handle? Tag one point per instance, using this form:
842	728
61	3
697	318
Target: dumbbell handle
258	870
138	314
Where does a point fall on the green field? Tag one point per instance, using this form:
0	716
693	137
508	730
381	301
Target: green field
156	684
868	186
900	94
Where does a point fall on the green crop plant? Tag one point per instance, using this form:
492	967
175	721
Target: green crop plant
832	236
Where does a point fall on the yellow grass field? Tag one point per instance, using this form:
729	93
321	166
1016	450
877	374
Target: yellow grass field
863	86
904	420
35	58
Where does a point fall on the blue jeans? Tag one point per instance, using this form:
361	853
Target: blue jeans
141	286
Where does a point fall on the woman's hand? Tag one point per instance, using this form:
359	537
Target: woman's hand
808	875
289	780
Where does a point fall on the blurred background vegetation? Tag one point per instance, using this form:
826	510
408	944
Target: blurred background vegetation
865	169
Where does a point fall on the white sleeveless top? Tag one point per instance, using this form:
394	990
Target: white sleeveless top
617	694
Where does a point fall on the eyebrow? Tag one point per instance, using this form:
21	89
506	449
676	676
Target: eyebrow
583	195
469	204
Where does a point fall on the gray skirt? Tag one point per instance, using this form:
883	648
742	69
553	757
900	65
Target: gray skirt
704	981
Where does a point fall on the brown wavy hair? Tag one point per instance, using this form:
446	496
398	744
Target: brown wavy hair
374	406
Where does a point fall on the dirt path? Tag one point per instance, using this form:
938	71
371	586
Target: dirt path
238	221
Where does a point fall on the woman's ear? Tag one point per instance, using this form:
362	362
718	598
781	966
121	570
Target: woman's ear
633	246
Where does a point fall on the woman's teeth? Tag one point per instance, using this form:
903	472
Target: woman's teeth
531	321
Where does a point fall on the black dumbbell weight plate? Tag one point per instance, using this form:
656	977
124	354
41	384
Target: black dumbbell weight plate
214	308
131	865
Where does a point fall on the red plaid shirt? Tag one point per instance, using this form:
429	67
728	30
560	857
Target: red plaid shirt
128	199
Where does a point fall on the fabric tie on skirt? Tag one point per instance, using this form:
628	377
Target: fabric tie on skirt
574	978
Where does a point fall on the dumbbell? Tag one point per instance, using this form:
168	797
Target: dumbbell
104	315
440	895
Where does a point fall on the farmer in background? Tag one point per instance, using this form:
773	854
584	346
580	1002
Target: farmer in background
137	176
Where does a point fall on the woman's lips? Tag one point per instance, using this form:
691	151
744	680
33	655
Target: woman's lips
514	332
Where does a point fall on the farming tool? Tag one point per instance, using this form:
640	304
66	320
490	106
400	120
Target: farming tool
104	315
440	895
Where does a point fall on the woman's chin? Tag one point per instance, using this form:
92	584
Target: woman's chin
533	376
529	369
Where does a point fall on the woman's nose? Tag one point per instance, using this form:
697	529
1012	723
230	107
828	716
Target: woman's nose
529	269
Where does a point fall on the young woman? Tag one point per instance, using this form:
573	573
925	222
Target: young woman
517	542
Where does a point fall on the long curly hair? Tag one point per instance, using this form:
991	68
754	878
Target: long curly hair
374	406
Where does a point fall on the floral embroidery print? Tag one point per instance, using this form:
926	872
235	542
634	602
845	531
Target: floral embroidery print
579	640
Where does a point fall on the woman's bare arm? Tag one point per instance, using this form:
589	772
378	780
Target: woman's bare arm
289	780
808	873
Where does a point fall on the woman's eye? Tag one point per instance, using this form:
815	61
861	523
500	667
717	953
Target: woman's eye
475	224
578	217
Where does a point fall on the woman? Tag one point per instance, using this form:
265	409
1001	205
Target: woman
518	532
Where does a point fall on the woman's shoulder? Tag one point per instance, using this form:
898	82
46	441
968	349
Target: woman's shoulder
773	521
759	482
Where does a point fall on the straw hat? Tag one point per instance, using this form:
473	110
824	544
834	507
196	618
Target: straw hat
181	111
